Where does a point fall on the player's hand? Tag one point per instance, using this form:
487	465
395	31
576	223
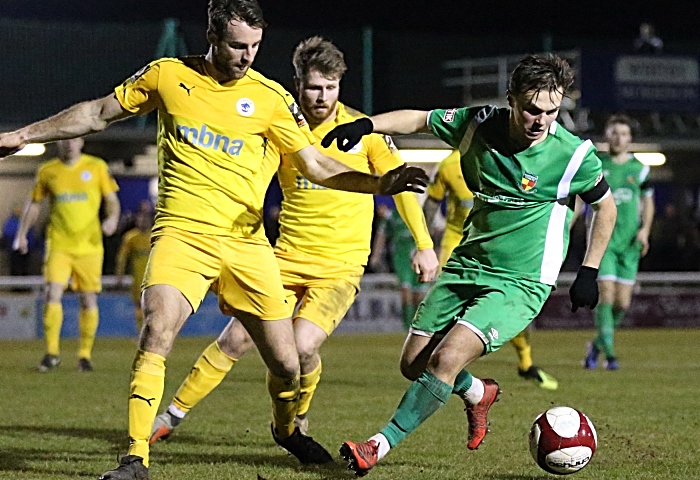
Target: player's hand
403	179
21	244
584	290
643	238
425	263
109	225
348	134
10	143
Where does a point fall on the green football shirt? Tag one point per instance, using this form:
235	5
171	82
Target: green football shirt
522	199
628	183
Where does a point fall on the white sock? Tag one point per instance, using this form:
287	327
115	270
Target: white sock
383	444
176	412
475	393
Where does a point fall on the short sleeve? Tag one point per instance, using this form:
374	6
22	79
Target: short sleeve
588	175
139	93
450	125
40	189
644	186
107	183
382	153
288	129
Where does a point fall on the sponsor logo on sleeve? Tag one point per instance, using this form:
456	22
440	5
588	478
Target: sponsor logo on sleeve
132	79
245	107
449	115
298	116
390	143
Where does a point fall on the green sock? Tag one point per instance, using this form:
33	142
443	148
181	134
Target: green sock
421	400
605	323
462	383
407	313
618	315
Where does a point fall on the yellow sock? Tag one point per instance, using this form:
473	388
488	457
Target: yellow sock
89	318
53	319
210	369
285	401
521	343
307	387
145	393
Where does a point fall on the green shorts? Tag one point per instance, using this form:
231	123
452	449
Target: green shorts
495	306
622	266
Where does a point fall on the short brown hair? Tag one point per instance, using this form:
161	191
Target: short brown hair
317	53
221	12
541	72
619	119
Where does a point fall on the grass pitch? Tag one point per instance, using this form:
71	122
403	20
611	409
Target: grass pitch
66	425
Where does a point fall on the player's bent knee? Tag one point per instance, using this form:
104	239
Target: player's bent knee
235	341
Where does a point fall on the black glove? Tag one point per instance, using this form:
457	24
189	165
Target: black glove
402	179
348	134
584	290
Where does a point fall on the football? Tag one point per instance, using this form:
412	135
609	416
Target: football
562	440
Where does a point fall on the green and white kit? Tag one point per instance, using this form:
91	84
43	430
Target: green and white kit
516	236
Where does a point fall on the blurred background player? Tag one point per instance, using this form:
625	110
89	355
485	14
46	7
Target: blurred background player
323	245
75	184
19	262
449	183
392	232
524	169
133	254
629	181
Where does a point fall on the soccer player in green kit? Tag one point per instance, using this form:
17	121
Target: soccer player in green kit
524	169
629	182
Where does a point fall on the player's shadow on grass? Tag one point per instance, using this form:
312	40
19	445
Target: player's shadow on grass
21	460
508	476
276	458
115	436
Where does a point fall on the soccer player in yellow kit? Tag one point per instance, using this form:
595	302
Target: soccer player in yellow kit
324	241
449	183
216	115
75	184
134	251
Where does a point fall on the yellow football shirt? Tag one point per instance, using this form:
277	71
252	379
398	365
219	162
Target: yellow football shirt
212	139
331	223
75	193
449	182
135	249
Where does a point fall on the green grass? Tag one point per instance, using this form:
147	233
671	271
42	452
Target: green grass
66	424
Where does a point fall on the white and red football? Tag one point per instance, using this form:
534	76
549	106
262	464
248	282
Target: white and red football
562	440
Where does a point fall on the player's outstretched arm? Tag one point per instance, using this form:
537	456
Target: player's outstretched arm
80	119
584	290
399	122
331	173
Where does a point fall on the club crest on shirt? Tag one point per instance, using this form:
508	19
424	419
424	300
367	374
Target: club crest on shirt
630	178
297	114
85	175
528	182
245	107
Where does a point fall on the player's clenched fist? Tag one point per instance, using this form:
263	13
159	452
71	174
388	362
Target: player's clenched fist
402	179
348	134
10	143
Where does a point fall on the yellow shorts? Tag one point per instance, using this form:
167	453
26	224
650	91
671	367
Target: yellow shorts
450	239
246	269
84	270
321	289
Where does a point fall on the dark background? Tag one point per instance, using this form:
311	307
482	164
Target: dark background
675	20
